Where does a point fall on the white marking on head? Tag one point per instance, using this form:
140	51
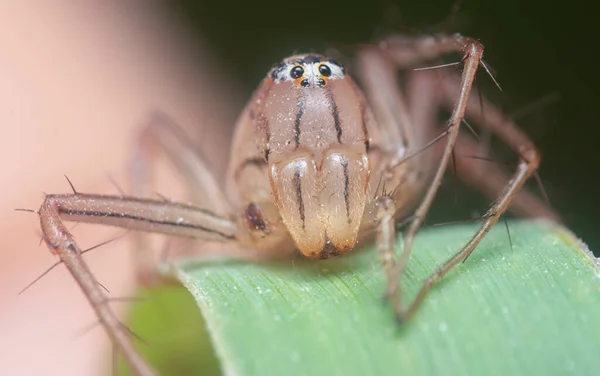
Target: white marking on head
307	69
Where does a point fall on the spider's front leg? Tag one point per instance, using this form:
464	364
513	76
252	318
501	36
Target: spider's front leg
392	113
508	191
421	115
138	214
130	213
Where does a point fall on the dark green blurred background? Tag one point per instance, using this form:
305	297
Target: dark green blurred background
537	48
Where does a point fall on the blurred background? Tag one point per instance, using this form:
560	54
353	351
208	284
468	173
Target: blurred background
77	81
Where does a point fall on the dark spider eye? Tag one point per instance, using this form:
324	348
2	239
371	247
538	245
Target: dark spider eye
325	70
296	72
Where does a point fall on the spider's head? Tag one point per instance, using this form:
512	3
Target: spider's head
307	70
313	120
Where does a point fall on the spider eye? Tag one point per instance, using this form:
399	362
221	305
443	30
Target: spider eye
325	70
296	72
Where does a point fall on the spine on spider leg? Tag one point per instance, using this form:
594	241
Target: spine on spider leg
61	243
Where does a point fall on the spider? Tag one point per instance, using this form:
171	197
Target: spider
317	165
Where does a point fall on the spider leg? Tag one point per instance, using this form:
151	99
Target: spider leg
140	215
505	130
405	52
161	136
484	175
511	193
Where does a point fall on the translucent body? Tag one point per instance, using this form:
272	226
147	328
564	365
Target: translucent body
312	170
303	148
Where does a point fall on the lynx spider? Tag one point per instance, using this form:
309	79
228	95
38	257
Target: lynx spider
309	164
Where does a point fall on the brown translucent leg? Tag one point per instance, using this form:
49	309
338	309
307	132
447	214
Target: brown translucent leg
379	67
131	213
61	243
385	210
488	176
470	156
406	120
406	52
514	138
387	101
529	161
161	136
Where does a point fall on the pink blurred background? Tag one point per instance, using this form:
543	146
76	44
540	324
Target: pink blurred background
76	80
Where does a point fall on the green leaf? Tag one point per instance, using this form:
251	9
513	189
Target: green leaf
529	310
172	333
